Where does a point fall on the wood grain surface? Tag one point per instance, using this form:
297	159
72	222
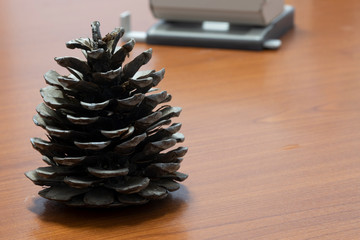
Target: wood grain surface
273	136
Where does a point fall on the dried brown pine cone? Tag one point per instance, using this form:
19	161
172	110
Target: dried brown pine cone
110	133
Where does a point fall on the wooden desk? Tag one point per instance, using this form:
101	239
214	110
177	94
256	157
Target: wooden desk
273	136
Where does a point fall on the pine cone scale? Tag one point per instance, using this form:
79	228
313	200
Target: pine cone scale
74	63
82	182
61	193
131	185
102	173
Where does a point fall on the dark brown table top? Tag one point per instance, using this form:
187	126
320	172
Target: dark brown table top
273	136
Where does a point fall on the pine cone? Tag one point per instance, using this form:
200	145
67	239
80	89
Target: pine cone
106	125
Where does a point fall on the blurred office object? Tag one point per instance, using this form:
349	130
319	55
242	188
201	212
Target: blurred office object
239	24
244	12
